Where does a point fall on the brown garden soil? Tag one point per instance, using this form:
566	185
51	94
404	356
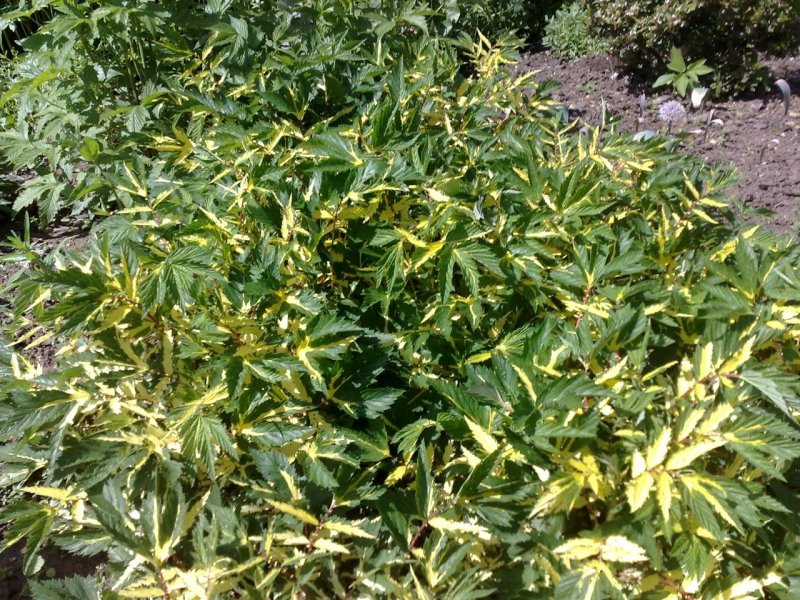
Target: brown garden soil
756	136
57	565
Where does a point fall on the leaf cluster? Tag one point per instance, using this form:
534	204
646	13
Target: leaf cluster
682	77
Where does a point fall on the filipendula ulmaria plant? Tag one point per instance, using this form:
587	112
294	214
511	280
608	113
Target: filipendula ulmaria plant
96	80
430	345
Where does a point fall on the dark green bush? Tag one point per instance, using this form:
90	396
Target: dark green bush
493	18
730	34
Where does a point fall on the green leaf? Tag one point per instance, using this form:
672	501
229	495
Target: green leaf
72	588
663	80
676	62
407	438
137	117
180	277
375	402
693	554
681	84
778	387
89	149
424	485
699	67
277	433
478	474
203	437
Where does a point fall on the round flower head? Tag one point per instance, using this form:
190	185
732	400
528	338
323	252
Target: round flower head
671	111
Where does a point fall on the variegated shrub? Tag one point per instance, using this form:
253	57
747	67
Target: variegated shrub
367	324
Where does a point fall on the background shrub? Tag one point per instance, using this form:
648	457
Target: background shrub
493	18
526	18
568	35
730	34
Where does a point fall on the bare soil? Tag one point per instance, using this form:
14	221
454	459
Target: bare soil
756	136
57	565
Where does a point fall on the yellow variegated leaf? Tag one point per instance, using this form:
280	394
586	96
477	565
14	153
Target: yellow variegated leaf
632	435
288	539
486	441
638	490
396	475
479	358
699	484
740	357
50	492
657	451
664	494
593	309
655	309
685	457
704	215
746	588
560	495
348	529
421	590
579	548
167	341
706	367
142	592
290	483
717	416
296	512
330	546
590	577
617	548
443	524
411	238
196	581
712	203
436	195
114	317
612	373
638	464
689	423
685	381
191	514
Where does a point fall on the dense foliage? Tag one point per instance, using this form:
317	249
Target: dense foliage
496	18
90	88
729	34
568	35
362	326
493	18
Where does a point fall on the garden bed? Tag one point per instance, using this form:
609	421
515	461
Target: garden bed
755	135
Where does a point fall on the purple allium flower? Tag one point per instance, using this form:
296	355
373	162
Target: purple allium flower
671	111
